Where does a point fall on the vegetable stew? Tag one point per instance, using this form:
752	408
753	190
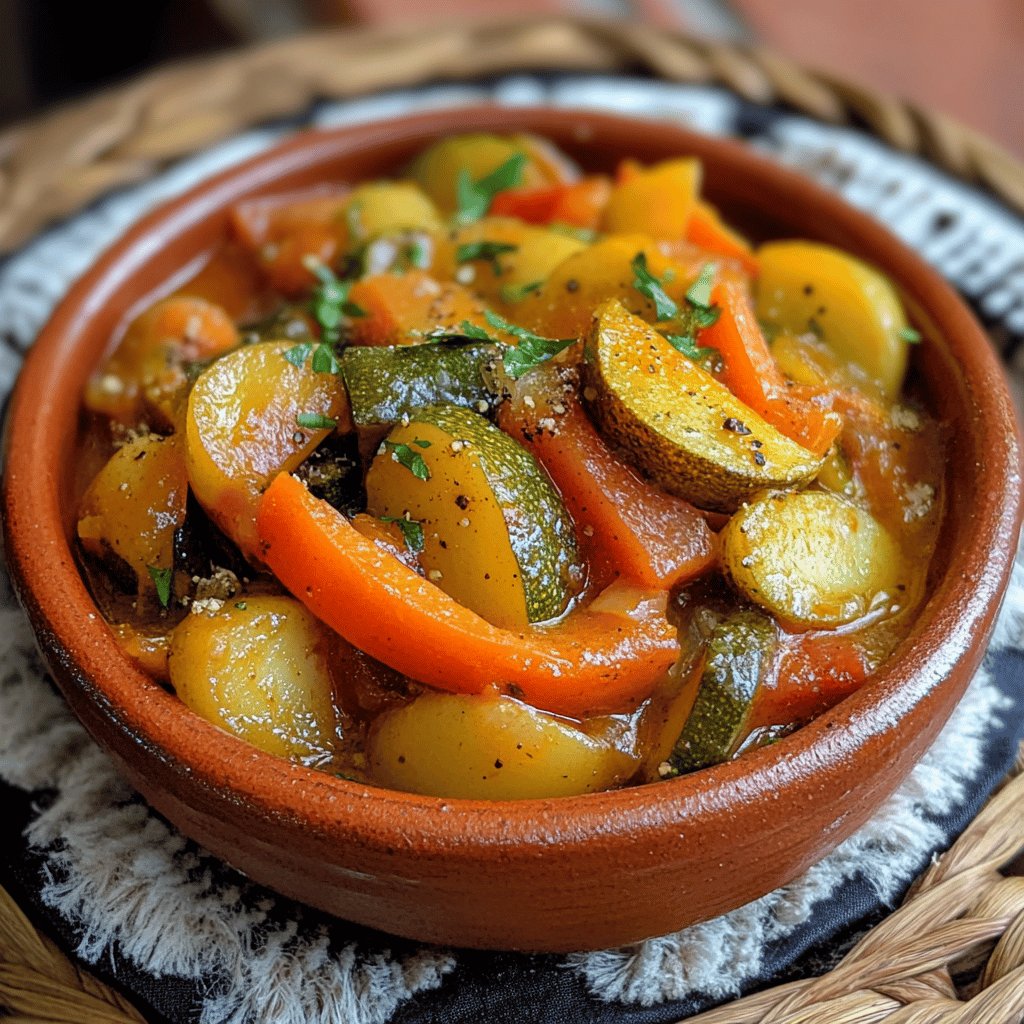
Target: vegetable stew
501	479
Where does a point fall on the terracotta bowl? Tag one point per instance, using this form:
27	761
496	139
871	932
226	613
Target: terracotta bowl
560	874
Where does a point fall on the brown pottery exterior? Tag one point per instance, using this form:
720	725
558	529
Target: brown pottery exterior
561	874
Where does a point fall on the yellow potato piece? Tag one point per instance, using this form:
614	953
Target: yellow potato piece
135	503
655	201
437	168
260	669
806	287
564	306
537	252
387	207
488	747
813	559
241	430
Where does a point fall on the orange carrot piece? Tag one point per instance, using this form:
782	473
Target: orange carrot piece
706	229
815	672
401	308
593	661
750	373
255	222
579	204
629	528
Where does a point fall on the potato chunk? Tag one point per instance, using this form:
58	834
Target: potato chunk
134	505
812	559
489	747
242	429
260	668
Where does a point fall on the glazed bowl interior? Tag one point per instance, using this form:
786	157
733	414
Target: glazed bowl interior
559	874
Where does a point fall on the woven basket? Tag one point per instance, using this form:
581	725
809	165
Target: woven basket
964	918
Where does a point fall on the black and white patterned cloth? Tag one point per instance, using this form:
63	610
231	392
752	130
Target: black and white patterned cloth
193	941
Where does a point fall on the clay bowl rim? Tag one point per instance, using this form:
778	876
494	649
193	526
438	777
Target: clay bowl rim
953	626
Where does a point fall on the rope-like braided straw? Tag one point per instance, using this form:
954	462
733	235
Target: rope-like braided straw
965	915
56	164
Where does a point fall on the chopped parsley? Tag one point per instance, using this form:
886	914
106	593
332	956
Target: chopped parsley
486	251
405	456
241	606
518	292
418	254
699	293
298	354
412	531
162	581
687	344
474	198
909	335
315	421
697	314
532	349
330	303
650	286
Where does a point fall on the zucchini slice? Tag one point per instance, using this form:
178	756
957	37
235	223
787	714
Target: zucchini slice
812	559
678	424
495	534
386	382
739	653
806	287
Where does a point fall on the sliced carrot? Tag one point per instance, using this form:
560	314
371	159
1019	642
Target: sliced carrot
579	204
815	672
255	222
629	528
801	413
401	308
606	657
287	262
706	229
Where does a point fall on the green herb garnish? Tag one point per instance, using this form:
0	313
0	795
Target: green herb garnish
241	605
405	456
330	303
687	344
518	292
650	286
418	254
909	335
412	531
298	354
324	359
474	198
315	421
699	293
162	581
487	251
532	349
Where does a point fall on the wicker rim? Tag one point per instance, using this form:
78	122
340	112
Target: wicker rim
965	916
59	162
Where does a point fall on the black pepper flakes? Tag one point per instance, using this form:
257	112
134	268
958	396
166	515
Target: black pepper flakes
759	458
736	426
572	285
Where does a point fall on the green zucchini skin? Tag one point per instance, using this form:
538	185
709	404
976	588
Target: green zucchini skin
739	653
540	529
386	382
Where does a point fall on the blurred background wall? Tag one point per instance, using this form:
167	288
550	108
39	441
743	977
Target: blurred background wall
960	56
